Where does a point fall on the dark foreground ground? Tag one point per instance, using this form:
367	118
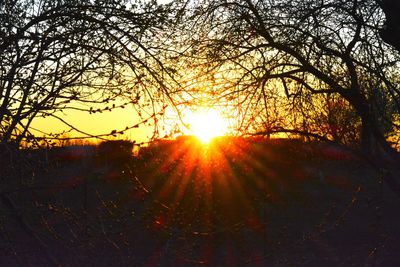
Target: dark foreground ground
233	203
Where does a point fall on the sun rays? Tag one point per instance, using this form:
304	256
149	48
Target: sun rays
204	192
206	179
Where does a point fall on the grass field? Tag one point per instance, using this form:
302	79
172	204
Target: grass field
235	202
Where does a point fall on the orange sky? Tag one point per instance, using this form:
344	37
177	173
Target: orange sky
98	123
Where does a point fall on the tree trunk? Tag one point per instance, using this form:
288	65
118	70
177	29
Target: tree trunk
373	141
380	154
374	146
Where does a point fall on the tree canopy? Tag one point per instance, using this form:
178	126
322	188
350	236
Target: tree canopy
308	66
60	55
320	68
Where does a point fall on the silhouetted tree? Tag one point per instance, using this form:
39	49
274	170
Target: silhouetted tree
82	55
278	61
298	51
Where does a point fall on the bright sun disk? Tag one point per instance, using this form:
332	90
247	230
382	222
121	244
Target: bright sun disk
206	124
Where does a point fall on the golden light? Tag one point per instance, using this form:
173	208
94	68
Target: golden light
206	124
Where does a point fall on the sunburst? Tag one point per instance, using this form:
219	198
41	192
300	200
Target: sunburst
206	124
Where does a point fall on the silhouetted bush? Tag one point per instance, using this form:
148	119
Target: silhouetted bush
114	152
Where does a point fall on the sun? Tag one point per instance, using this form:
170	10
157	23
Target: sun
206	124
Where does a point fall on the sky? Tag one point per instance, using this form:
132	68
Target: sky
98	123
162	2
